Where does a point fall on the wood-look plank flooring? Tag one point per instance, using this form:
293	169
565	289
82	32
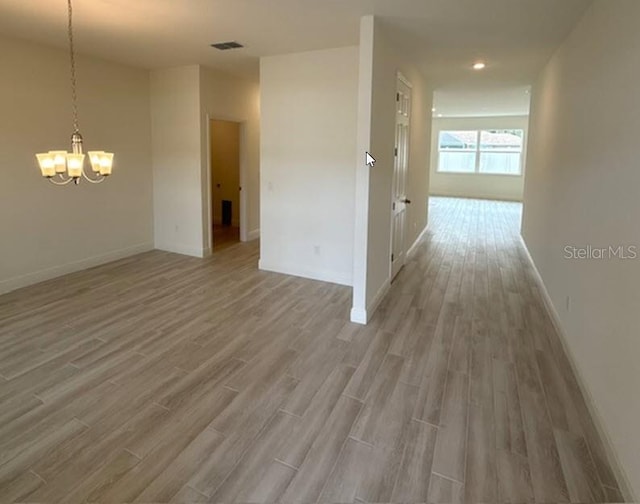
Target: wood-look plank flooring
225	236
162	378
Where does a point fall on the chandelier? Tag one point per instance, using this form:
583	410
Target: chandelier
61	167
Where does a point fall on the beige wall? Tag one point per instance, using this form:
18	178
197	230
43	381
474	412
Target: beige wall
308	148
382	144
225	168
47	231
380	63
502	187
228	98
582	189
177	177
183	100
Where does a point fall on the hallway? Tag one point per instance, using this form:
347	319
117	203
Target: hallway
512	425
166	378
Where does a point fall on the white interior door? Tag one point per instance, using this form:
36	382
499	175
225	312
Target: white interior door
400	169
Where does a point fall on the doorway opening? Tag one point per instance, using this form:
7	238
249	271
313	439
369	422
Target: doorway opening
225	182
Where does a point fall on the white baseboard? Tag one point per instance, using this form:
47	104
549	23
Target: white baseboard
612	456
417	241
188	250
362	316
253	235
377	299
64	269
359	316
300	271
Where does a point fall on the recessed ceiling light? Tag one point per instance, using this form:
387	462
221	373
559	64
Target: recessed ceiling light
433	109
439	115
480	65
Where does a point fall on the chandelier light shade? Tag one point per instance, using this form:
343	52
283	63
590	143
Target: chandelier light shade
61	167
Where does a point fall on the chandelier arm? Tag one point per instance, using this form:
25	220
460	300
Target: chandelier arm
63	182
64	177
101	178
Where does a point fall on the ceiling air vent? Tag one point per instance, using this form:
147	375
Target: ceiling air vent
225	46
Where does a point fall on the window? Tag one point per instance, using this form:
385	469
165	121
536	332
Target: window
496	152
458	151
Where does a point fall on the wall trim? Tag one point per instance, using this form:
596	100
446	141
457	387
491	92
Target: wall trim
413	247
610	452
403	79
253	235
18	282
187	250
377	299
361	315
313	274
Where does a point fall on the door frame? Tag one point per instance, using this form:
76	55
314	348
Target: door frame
243	179
400	78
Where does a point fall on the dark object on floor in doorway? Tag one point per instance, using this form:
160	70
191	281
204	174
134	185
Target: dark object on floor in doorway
226	212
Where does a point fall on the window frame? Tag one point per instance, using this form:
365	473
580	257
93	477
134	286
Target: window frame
478	151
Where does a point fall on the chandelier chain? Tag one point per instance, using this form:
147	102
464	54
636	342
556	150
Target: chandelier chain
72	60
62	167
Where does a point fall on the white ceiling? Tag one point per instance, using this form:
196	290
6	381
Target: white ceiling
515	37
